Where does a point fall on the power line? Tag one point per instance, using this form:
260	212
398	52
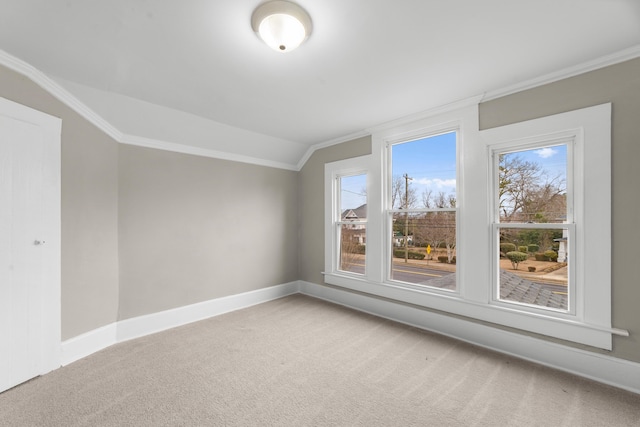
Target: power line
353	192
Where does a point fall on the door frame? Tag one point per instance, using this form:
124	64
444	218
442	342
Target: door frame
51	126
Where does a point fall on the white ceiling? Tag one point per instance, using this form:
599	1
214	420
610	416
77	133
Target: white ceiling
367	61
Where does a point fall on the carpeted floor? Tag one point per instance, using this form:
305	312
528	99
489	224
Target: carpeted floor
300	361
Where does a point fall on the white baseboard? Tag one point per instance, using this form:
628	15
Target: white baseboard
602	368
157	322
90	342
598	367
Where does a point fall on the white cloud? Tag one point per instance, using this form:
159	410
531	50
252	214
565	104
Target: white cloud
437	182
547	152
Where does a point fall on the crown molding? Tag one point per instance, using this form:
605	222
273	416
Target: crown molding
59	93
83	110
467	102
432	112
64	96
611	59
203	152
390	124
329	143
585	67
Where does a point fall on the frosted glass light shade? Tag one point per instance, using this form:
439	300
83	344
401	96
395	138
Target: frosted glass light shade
282	25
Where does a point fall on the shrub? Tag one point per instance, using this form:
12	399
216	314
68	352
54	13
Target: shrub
540	256
443	258
453	260
533	248
360	249
523	249
507	247
551	255
531	269
399	253
516	258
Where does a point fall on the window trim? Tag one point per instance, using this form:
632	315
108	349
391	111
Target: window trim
333	172
473	300
574	141
415	135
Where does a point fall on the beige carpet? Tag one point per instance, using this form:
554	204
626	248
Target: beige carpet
299	361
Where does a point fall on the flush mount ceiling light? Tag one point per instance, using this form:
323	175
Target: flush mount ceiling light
282	25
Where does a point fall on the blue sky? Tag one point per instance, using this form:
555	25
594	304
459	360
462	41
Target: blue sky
431	162
552	159
353	189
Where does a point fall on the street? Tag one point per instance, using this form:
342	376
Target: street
423	275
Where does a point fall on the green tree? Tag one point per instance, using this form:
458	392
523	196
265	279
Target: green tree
516	258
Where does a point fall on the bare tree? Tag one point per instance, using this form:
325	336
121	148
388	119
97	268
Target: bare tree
349	249
446	222
438	228
427	198
527	193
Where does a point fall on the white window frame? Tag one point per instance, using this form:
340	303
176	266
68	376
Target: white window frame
574	141
418	134
474	298
333	173
589	129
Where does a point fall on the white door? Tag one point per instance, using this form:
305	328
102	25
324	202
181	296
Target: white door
29	243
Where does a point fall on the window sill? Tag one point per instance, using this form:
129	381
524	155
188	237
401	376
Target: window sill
573	330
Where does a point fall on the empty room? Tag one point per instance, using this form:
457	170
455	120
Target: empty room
289	213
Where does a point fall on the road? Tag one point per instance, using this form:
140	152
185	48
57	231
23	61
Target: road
407	273
420	275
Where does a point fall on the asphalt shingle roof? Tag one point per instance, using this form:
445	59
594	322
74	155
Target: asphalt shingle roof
515	288
512	288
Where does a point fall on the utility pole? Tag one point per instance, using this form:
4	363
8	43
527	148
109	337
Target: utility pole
406	216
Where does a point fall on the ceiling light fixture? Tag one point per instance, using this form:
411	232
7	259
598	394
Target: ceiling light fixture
282	25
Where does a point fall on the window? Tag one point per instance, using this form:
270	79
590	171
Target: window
347	211
421	211
533	224
566	217
352	223
485	205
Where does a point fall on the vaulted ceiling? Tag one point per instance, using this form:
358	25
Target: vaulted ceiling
148	66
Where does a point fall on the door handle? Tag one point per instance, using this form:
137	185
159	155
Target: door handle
39	242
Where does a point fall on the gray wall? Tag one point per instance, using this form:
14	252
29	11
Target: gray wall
195	228
146	230
311	202
89	211
620	85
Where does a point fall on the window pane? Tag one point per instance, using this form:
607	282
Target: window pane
353	194
352	248
532	185
424	249
423	177
534	266
353	212
423	173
